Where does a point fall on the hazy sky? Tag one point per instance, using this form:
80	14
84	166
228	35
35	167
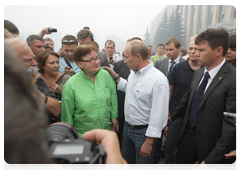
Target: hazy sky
124	21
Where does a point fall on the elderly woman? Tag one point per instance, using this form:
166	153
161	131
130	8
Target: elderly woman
89	99
231	53
48	67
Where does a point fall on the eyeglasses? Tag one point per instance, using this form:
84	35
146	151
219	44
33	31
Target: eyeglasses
69	42
92	60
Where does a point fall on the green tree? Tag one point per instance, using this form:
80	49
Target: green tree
178	29
175	26
147	38
161	34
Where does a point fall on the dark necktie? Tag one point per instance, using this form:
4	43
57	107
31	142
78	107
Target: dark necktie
197	100
170	69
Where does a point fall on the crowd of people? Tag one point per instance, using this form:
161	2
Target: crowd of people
124	101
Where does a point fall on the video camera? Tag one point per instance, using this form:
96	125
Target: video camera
66	147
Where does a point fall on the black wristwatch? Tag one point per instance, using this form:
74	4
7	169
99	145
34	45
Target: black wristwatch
46	99
117	78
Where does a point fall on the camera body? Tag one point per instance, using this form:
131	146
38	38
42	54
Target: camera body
65	147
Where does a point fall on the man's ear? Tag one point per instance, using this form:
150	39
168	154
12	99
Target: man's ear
219	51
139	57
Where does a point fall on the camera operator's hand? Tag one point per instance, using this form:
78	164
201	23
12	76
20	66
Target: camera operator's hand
110	143
45	31
68	71
111	61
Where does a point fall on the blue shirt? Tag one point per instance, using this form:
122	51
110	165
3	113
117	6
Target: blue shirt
146	100
63	64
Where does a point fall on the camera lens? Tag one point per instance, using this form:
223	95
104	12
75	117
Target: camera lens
60	131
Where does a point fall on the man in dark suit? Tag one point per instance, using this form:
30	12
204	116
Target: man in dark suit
123	71
173	47
85	36
206	135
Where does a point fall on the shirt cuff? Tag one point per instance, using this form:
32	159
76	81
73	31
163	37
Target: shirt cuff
121	84
153	132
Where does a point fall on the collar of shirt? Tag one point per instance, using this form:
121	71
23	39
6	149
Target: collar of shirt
144	69
212	74
176	60
214	71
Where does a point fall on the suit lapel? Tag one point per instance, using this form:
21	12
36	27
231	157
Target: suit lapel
217	79
166	66
195	84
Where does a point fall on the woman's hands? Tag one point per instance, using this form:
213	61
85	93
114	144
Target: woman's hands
56	88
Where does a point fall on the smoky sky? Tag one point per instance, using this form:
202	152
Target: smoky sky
117	22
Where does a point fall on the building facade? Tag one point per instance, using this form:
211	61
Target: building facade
197	18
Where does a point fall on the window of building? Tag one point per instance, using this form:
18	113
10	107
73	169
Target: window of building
192	22
200	17
210	14
185	24
222	13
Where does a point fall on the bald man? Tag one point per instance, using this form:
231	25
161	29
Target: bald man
23	51
146	104
25	55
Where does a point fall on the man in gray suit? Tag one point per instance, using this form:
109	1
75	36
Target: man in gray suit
165	65
173	47
85	36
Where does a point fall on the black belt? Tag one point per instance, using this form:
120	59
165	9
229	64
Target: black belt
136	126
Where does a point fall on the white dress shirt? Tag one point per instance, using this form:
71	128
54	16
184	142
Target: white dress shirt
146	99
212	74
115	58
177	60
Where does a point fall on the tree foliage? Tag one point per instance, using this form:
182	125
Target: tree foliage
147	38
161	35
170	27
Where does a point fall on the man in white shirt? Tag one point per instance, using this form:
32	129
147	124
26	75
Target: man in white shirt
110	49
146	104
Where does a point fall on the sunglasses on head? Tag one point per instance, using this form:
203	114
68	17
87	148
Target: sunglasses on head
69	42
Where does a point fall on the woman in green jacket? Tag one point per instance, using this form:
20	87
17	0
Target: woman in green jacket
89	99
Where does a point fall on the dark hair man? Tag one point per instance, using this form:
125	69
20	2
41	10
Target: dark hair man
173	46
151	52
36	43
67	64
206	134
86	37
160	54
146	104
179	82
165	65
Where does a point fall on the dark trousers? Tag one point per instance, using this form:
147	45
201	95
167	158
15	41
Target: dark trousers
120	131
171	140
187	148
187	153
